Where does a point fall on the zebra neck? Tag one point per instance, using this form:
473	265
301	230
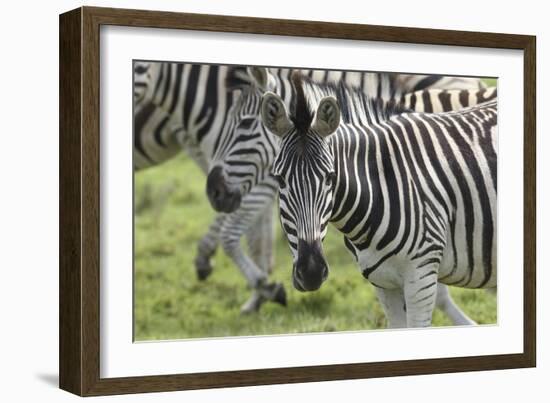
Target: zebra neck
352	193
368	196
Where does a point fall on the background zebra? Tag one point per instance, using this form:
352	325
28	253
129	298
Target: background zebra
414	194
184	107
446	100
418	82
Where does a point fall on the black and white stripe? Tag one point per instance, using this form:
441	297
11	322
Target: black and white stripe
419	82
437	100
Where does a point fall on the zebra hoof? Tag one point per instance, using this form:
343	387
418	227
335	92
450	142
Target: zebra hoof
280	294
275	292
203	268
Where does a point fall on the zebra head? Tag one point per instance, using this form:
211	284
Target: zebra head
304	168
245	150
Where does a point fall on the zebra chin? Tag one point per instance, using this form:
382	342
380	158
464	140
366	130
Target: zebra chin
221	197
310	268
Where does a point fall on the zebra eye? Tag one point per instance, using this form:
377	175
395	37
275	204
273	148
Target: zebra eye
281	181
330	179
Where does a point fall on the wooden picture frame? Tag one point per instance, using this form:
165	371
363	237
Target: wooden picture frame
79	346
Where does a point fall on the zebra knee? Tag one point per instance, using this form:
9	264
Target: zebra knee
207	246
230	244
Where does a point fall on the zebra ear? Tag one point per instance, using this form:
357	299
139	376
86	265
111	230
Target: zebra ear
261	76
327	117
274	115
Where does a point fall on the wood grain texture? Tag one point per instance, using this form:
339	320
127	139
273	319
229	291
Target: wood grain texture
530	202
316	29
80	200
70	271
90	202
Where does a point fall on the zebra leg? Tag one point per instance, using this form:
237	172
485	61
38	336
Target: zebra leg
260	240
260	247
420	289
254	241
256	278
234	227
393	303
254	238
268	239
207	248
446	304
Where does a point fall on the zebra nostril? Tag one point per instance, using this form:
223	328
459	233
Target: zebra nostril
216	194
220	193
215	183
298	275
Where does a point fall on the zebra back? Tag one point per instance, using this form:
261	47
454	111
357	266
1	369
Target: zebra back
418	82
446	100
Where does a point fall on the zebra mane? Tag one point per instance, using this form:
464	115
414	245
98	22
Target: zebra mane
302	112
356	107
360	108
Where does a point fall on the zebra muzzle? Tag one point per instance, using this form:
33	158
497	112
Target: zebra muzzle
310	269
221	197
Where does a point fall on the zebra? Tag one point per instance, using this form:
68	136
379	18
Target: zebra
414	194
183	106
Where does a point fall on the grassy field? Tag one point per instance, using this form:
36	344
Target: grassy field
172	213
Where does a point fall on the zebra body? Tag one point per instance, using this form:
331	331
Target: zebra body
452	204
414	194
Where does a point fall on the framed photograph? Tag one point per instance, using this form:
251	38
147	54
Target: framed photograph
248	201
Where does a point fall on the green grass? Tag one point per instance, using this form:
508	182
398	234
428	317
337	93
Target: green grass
491	82
172	213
